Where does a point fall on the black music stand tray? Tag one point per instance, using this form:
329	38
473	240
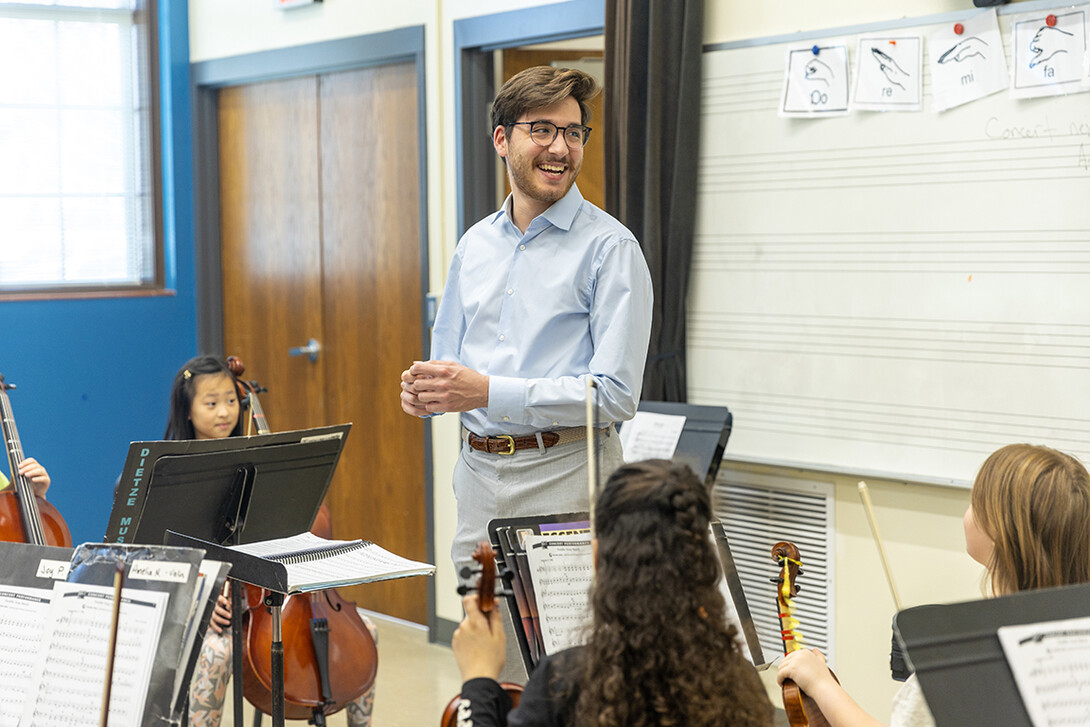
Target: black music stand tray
959	660
212	493
704	437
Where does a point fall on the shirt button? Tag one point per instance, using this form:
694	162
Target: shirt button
555	423
501	337
507	419
510	291
522	247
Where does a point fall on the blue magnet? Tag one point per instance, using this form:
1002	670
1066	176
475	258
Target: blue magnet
816	50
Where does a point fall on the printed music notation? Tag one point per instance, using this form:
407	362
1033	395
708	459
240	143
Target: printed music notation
22	618
314	563
1051	666
649	435
561	569
67	678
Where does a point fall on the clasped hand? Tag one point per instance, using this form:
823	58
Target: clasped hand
434	387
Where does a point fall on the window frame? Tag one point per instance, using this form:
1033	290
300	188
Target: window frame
146	14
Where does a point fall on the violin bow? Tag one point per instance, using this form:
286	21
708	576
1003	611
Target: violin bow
119	577
864	495
592	469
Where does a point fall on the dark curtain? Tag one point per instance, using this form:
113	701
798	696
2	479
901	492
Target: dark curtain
652	119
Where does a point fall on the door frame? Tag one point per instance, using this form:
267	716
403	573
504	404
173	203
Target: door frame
475	39
208	77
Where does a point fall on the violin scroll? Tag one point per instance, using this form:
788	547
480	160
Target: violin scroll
802	711
486	600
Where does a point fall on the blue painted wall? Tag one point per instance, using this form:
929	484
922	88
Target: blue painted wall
94	375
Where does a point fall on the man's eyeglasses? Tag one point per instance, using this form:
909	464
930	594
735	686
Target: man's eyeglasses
542	133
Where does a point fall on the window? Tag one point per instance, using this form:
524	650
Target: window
77	185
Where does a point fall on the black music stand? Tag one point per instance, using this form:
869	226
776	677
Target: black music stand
506	534
220	492
959	659
704	437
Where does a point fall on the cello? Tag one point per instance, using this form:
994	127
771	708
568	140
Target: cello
330	657
802	711
24	516
486	595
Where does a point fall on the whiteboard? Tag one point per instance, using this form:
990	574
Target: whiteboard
890	293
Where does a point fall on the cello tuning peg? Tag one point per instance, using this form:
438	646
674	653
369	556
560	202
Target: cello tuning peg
467	572
463	590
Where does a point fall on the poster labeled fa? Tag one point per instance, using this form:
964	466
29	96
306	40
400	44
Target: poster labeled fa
1049	53
816	82
967	61
889	74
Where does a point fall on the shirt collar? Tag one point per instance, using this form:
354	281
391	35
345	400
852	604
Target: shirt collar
561	214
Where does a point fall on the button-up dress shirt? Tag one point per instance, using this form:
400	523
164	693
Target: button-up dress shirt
540	312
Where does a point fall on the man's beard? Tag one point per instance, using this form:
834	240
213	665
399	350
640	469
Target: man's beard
523	176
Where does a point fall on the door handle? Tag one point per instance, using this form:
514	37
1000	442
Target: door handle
311	350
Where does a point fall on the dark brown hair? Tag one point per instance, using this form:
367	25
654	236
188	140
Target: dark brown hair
660	650
542	86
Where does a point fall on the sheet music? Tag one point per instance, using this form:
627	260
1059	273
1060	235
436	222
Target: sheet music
1051	666
207	574
651	436
69	675
331	563
562	569
23	617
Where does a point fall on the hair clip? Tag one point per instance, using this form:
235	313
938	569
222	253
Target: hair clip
186	374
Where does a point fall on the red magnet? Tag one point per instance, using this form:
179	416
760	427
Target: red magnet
959	28
1050	21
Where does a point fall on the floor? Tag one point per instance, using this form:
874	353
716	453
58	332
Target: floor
416	680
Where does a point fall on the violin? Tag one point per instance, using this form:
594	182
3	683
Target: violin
24	516
330	657
802	711
486	600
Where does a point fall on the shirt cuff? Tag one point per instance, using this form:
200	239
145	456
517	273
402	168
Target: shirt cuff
506	399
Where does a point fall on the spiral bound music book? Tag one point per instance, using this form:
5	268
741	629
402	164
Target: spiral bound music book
314	563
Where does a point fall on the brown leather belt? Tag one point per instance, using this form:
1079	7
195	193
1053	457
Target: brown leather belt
508	444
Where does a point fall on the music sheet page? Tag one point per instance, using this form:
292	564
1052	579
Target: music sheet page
23	617
69	675
562	569
1051	666
651	436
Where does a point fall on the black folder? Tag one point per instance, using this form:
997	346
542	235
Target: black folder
959	660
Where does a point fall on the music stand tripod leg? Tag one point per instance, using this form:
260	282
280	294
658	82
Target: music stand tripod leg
236	647
274	601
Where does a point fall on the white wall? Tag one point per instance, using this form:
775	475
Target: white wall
921	524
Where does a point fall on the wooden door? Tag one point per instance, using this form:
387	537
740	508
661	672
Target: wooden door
320	188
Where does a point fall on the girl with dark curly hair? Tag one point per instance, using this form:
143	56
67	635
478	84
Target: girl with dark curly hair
659	651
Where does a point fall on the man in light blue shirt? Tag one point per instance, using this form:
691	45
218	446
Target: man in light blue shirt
542	295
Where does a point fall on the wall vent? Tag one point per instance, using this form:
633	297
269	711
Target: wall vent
759	510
